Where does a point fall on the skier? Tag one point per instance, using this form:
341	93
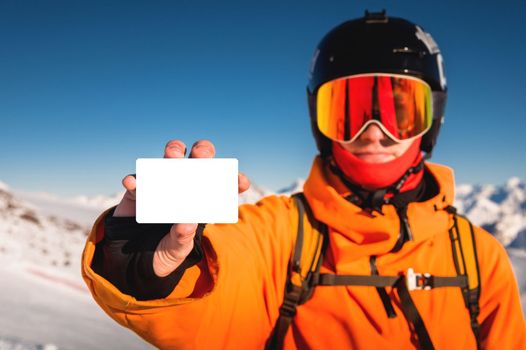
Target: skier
372	255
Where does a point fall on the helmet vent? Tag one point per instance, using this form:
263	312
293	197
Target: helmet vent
408	50
376	17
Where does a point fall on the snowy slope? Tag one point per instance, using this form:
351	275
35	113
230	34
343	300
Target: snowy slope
45	304
28	235
46	313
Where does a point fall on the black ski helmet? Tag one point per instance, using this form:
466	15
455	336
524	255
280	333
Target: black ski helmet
378	44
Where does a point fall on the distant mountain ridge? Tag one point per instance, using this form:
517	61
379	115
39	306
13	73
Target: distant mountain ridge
501	210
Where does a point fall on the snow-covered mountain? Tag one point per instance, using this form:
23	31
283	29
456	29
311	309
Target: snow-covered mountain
501	210
253	194
296	186
26	234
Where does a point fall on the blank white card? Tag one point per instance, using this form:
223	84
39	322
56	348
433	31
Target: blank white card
186	190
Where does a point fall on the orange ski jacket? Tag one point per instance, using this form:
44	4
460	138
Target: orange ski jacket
231	299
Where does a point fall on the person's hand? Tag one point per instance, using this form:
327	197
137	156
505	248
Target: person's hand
179	242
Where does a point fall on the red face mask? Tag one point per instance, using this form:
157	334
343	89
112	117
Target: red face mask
379	175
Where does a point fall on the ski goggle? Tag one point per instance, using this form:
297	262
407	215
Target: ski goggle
400	105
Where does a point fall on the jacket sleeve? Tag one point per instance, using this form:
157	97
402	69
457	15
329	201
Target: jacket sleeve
124	257
230	299
501	319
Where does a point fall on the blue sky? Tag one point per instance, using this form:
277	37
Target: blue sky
86	87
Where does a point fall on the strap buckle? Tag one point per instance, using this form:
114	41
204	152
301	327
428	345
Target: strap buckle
417	281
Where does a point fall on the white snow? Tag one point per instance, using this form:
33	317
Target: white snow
253	194
99	201
296	186
41	313
484	211
499	209
45	304
11	343
81	209
463	190
513	182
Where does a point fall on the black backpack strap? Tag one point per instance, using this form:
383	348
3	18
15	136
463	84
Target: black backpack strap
382	293
303	268
465	258
413	316
403	284
287	312
413	280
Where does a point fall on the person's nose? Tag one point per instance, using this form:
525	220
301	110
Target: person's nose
373	133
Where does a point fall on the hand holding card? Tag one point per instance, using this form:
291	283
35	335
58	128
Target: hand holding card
178	243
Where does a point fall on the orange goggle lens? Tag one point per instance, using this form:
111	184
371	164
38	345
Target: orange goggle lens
400	105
